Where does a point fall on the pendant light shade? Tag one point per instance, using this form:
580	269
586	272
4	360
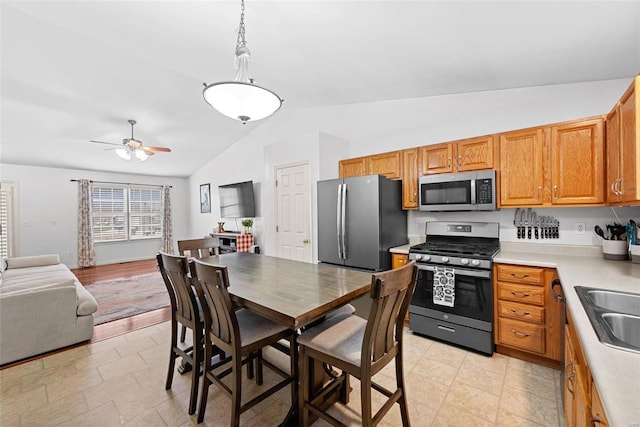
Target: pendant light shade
241	99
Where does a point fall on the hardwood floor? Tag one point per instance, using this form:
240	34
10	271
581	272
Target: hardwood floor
91	275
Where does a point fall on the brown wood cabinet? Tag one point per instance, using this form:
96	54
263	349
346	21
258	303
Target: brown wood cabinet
577	162
458	156
578	390
528	319
352	167
561	164
410	173
398	260
598	417
623	148
387	164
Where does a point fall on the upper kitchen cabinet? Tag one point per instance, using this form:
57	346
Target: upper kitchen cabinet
387	164
577	162
410	173
561	164
623	149
521	174
459	156
352	167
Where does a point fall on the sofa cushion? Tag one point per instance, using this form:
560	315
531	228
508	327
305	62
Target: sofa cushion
33	261
12	283
36	287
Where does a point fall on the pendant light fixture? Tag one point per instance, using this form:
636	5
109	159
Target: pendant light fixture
242	99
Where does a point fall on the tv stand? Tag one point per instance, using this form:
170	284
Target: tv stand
233	242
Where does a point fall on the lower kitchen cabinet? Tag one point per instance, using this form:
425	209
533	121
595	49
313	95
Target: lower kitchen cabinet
582	406
528	319
398	260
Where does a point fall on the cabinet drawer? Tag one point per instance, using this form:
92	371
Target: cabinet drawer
524	312
521	335
521	293
519	274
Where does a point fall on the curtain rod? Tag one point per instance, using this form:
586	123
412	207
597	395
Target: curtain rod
122	183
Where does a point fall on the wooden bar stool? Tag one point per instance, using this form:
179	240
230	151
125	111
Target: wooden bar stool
241	334
361	348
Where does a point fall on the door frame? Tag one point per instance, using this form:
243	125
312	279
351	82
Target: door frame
309	204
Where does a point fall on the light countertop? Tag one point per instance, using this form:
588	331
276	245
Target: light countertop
616	373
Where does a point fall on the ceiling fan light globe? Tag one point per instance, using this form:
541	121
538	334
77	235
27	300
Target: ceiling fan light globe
242	101
141	155
123	153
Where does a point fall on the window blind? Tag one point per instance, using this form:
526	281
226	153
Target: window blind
123	212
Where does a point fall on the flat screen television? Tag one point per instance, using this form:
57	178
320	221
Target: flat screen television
236	200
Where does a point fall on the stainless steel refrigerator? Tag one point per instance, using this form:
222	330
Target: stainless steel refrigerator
359	219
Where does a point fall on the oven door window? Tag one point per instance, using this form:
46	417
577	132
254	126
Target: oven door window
446	193
473	295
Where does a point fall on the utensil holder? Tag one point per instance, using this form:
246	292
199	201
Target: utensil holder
634	251
615	249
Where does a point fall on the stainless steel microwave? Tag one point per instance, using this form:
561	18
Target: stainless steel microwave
464	191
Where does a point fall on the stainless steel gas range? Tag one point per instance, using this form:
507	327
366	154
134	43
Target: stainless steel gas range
453	298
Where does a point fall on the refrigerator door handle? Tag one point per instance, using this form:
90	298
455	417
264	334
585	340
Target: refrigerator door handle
343	223
339	220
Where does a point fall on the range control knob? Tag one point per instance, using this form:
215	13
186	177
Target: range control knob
464	261
418	257
445	259
475	262
426	257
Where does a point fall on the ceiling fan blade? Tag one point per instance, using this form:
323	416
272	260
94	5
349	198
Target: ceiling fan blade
102	142
147	152
163	149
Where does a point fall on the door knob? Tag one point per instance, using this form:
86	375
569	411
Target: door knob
305	241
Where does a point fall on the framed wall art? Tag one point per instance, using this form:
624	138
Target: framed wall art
205	198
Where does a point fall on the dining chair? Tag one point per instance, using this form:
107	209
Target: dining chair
241	334
197	248
184	310
360	347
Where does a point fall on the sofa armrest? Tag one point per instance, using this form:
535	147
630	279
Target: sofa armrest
32	261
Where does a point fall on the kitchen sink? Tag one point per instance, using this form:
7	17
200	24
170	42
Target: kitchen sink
619	302
615	316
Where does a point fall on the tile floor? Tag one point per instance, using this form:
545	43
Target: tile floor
120	381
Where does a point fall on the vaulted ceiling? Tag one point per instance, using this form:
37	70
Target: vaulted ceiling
72	71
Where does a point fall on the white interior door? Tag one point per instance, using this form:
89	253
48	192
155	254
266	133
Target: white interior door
293	221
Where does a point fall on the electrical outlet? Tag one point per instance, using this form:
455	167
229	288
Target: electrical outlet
580	228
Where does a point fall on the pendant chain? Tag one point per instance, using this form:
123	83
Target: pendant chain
241	40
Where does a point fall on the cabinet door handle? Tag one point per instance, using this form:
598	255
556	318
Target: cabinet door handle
554	283
519	294
539	193
555	191
595	420
519	334
618	184
570	381
449	162
519	276
524	313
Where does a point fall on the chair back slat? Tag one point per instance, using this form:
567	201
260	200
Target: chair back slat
175	270
219	315
198	248
391	293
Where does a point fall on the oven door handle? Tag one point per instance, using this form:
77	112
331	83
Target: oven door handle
463	272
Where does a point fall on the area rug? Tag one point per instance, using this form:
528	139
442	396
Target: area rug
122	298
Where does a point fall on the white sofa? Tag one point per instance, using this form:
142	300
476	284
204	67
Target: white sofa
43	307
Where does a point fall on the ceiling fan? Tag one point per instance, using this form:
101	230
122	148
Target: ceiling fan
132	146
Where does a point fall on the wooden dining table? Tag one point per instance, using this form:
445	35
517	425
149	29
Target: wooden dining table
295	294
292	293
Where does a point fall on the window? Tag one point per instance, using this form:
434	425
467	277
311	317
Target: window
123	212
8	218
